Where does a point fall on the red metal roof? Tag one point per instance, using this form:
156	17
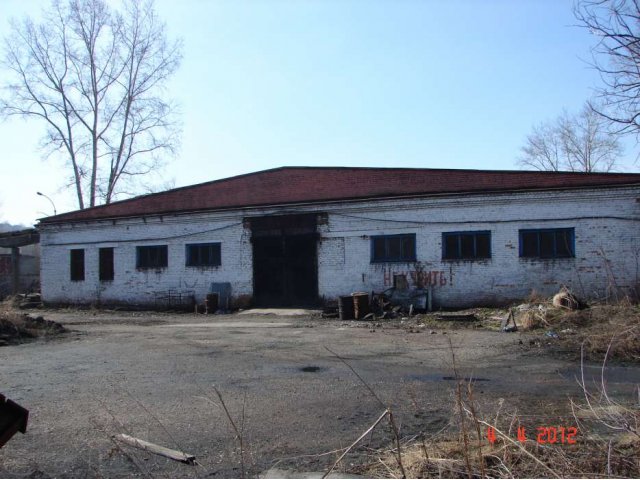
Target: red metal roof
289	185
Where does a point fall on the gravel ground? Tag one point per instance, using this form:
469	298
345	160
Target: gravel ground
152	376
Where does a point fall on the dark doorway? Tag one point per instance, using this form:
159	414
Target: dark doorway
285	260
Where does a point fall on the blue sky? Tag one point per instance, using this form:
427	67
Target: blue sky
267	83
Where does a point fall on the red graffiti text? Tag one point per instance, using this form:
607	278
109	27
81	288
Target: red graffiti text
419	278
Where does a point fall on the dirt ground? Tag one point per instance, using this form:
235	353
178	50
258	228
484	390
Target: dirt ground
152	376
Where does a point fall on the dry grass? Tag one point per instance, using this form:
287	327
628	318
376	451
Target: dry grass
532	319
595	327
607	445
535	297
601	329
607	431
445	459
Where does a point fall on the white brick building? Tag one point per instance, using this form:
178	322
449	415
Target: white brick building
294	236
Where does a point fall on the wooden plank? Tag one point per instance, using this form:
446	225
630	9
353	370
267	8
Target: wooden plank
156	449
462	317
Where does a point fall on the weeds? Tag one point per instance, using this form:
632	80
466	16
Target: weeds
600	406
358	440
237	426
460	408
611	331
238	430
387	413
607	432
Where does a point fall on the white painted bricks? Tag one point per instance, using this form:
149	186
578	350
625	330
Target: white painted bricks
607	247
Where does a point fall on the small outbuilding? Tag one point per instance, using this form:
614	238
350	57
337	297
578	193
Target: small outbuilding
295	236
19	261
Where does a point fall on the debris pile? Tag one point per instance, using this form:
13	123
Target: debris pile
530	316
400	300
16	328
31	300
24	301
365	306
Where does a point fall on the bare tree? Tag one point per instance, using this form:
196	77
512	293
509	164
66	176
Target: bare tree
95	77
616	55
576	143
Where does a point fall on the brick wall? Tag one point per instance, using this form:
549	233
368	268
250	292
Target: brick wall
607	248
142	286
607	245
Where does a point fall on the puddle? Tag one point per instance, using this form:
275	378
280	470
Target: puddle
229	325
435	377
291	370
281	312
310	369
612	374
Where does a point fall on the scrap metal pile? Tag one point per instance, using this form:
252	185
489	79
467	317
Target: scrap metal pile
399	300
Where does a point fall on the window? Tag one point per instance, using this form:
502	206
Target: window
154	256
466	245
547	243
393	248
106	264
76	257
203	255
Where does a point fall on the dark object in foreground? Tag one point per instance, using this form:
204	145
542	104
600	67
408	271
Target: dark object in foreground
157	449
13	418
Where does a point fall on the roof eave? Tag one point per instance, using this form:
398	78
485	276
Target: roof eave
52	221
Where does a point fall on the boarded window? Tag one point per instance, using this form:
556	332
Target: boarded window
547	243
153	256
76	257
106	264
466	245
203	255
393	248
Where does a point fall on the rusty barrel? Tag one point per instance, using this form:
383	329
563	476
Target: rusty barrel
360	304
213	302
345	307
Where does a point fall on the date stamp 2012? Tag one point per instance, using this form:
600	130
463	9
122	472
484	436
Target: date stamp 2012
543	435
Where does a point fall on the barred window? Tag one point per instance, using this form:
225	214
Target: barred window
393	248
547	243
466	245
203	255
154	256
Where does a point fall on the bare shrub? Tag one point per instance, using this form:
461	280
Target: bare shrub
602	407
608	442
535	297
